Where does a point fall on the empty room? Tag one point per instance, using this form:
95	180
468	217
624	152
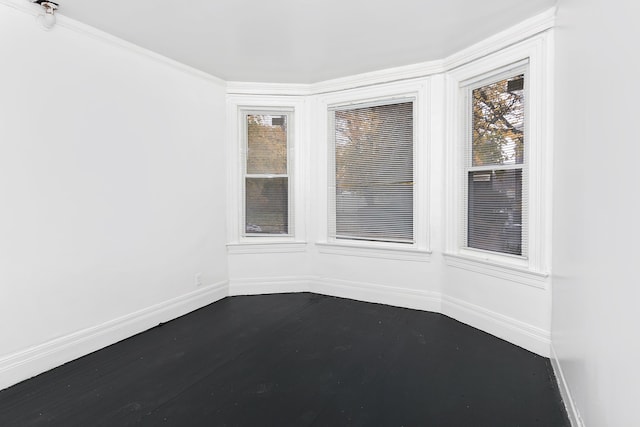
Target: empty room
319	213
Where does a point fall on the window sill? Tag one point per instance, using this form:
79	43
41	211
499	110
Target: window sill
266	247
397	253
513	273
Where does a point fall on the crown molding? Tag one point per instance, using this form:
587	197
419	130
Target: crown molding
271	89
373	78
388	75
517	33
23	5
92	32
522	31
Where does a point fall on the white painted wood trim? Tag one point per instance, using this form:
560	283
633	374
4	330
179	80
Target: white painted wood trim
266	247
402	254
388	75
418	92
92	32
27	363
529	337
521	31
269	285
370	292
499	269
526	29
518	32
299	173
537	51
268	89
565	392
33	361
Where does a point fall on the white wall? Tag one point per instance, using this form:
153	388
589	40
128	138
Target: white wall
596	208
112	184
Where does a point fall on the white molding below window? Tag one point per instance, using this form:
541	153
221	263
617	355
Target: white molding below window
266	247
369	251
500	270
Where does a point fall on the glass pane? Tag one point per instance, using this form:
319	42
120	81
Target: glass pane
375	213
374	172
498	123
266	144
495	211
267	210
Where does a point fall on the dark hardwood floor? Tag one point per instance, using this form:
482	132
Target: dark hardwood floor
296	360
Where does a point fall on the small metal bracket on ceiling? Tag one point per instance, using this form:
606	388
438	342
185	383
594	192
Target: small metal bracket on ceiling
48	18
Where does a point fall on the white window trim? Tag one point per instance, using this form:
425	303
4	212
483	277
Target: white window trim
237	106
374	251
416	90
244	142
266	247
466	99
537	50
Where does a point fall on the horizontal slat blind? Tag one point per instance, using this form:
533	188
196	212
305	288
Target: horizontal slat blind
267	205
266	181
372	188
495	182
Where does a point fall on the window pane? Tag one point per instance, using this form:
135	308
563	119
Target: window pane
266	204
495	211
375	213
498	123
374	173
266	144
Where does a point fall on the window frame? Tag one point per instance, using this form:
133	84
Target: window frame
467	88
237	241
417	91
332	202
531	269
244	113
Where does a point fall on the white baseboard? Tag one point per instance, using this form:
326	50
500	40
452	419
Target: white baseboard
399	297
268	285
519	333
572	410
33	361
27	363
509	329
529	337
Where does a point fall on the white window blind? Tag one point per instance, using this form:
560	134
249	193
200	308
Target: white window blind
371	172
495	167
266	180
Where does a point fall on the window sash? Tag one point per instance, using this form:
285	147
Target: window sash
264	215
505	225
372	201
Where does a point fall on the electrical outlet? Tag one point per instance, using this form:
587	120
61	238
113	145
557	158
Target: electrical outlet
198	279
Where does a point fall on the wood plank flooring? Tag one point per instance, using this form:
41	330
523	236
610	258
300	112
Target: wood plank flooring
296	360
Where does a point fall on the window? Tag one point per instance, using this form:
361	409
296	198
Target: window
267	207
495	165
498	163
371	173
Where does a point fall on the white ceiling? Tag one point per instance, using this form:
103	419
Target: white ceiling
301	41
